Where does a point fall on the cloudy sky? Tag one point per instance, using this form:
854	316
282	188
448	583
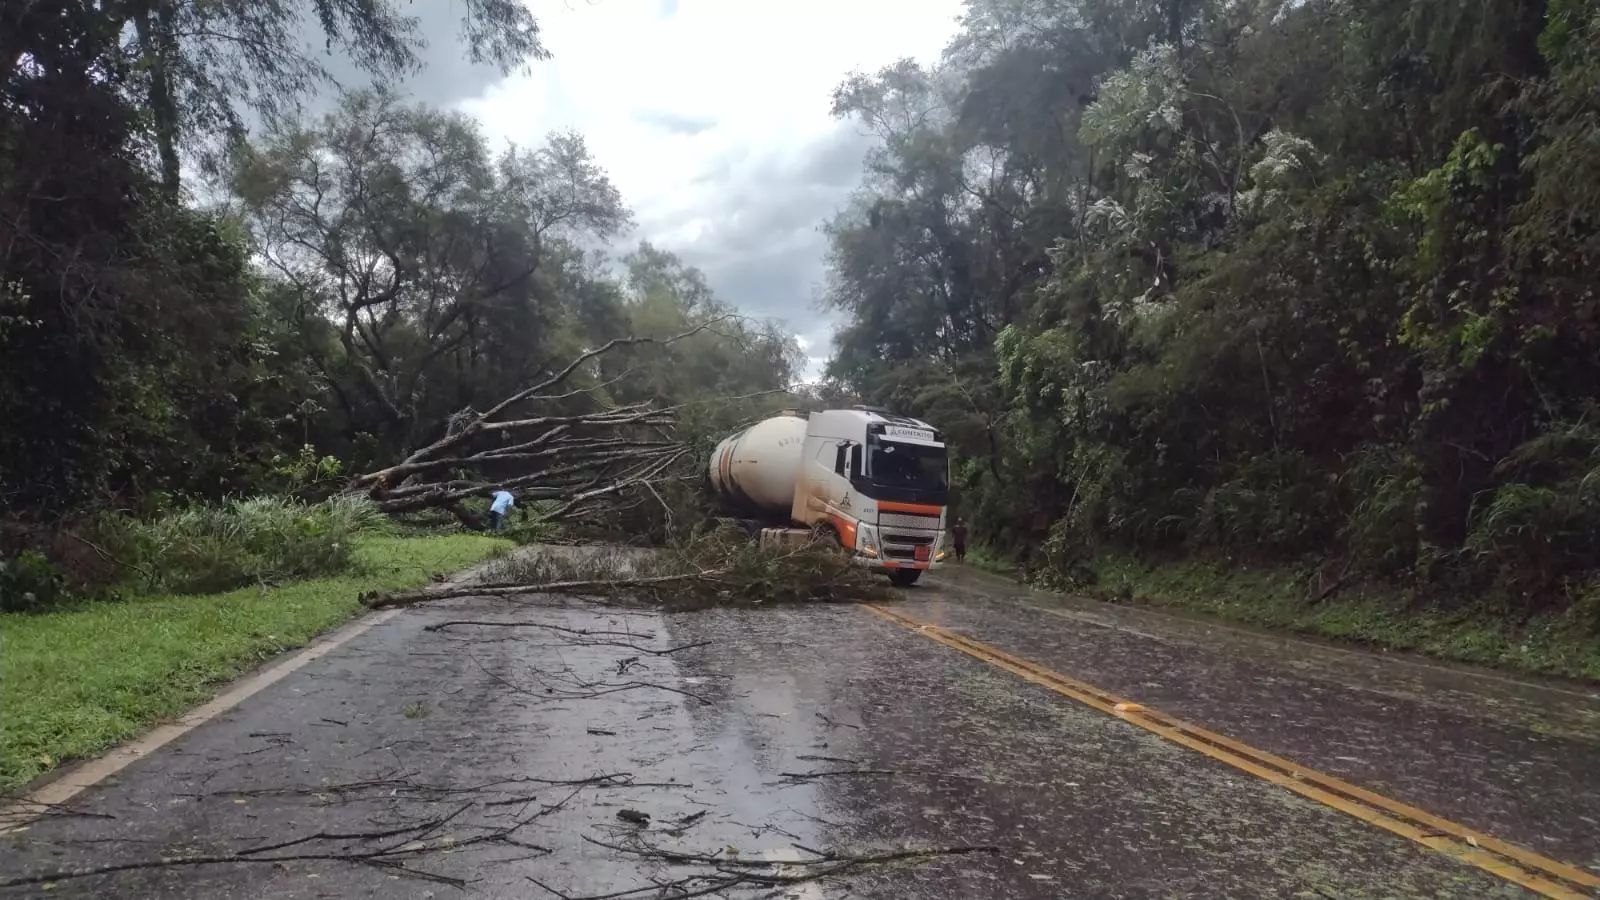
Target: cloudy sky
712	118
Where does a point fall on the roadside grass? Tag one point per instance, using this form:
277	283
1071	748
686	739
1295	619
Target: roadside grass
987	560
77	681
1564	645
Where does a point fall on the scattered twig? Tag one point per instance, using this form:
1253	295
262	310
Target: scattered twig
576	588
23	807
759	830
838	773
272	744
582	637
390	858
724	872
605	688
576	632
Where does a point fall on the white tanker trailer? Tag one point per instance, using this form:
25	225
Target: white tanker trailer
877	483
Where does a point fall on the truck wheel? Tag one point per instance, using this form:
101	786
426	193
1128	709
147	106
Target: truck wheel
904	577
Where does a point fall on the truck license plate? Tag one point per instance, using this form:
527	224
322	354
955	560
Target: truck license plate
922	554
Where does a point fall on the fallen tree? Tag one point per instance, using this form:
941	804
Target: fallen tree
598	467
535	445
719	568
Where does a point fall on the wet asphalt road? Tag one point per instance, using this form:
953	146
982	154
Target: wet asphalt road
502	756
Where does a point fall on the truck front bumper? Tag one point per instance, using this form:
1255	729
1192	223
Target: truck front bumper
884	566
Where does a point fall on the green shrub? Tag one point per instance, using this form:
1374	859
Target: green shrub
989	559
1066	562
1542	525
1384	490
206	549
1277	503
29	582
528	525
307	475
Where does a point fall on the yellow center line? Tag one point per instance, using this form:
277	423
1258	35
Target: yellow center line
1519	865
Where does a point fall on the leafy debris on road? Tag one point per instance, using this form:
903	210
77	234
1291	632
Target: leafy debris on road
718	568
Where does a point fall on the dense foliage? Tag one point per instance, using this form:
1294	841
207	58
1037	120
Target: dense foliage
1274	281
353	283
1265	279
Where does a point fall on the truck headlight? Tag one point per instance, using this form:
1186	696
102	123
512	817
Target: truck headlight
867	540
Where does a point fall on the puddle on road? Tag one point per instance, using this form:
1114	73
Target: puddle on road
702	744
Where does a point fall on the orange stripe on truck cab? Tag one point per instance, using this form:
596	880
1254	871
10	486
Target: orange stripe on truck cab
920	509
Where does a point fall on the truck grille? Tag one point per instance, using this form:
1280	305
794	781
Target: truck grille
904	520
899	545
914	540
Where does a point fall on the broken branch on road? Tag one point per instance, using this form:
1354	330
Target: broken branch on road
408	789
714	569
398	847
723	872
475	817
577	636
840	773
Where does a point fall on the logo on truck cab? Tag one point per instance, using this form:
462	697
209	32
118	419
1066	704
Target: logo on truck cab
901	431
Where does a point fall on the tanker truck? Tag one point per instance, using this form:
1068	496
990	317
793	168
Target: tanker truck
875	482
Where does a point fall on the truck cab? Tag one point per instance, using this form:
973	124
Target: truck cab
879	483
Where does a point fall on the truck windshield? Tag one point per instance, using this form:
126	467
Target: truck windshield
901	465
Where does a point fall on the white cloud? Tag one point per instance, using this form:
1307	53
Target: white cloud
712	117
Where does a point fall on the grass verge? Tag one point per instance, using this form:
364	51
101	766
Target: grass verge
986	560
1549	645
77	681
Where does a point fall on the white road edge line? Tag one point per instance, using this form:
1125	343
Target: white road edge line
37	804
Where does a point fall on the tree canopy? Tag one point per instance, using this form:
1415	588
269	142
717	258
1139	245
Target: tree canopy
1264	279
1267	280
368	277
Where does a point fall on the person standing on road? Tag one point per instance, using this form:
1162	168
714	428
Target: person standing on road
503	501
958	536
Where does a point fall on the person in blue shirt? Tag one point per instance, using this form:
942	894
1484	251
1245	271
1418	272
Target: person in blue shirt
503	501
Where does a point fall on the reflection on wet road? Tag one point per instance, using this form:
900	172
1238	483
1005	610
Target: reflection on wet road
584	752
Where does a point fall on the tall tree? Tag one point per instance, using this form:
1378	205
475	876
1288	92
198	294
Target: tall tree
124	320
422	249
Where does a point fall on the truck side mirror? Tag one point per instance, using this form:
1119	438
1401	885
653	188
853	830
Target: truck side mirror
839	461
